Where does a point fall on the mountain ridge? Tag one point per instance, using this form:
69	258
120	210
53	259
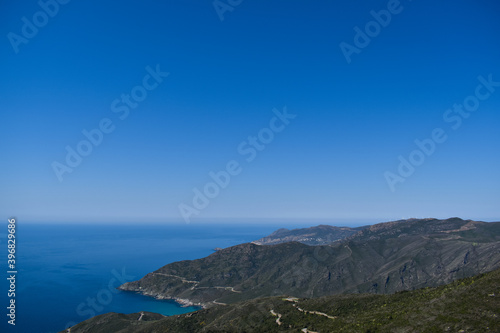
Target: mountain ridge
467	305
382	258
318	235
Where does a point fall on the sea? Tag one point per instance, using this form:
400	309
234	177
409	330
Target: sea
67	273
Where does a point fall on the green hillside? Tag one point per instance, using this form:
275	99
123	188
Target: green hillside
466	305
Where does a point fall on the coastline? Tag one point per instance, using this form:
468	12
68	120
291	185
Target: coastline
182	302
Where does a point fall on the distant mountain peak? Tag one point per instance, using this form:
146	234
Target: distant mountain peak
319	235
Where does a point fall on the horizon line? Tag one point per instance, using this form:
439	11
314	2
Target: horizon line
245	220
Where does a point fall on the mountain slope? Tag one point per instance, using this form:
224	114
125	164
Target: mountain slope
468	305
384	258
319	235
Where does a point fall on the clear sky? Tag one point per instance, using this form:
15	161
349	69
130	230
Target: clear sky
358	93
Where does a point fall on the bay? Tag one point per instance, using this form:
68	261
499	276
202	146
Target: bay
68	273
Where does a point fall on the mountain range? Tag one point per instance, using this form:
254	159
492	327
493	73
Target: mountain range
466	305
382	258
313	267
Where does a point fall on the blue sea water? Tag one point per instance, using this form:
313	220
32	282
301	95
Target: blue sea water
68	273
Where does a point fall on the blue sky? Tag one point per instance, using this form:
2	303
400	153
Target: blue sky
353	120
